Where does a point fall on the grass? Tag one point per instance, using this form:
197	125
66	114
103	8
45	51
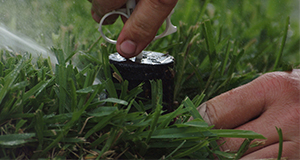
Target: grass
58	112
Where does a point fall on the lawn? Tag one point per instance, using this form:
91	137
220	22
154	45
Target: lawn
57	111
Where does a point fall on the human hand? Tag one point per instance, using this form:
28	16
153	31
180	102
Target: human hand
272	100
142	26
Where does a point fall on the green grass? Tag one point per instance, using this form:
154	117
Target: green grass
57	111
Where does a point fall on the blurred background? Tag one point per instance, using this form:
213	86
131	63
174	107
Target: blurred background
68	24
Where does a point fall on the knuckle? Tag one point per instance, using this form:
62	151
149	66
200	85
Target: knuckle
287	117
293	152
294	117
283	82
288	120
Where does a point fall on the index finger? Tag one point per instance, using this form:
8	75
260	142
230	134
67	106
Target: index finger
142	26
268	101
238	106
101	7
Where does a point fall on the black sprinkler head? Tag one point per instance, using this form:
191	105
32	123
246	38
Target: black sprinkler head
152	66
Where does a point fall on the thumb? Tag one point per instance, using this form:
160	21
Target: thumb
142	26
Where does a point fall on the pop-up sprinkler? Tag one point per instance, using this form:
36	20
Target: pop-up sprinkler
148	65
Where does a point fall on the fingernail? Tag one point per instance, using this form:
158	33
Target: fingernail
128	47
203	112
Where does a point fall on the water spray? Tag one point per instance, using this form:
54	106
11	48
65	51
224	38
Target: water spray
13	42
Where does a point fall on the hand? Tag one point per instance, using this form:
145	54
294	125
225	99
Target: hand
272	100
142	26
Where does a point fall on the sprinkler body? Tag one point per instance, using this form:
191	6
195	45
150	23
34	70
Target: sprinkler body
153	65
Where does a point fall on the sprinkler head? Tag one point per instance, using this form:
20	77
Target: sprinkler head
152	66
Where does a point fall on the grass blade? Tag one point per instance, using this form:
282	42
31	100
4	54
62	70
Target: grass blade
203	9
157	100
237	134
73	95
243	148
210	42
105	121
75	116
154	121
176	149
111	89
212	75
225	61
19	125
61	79
37	89
280	53
169	119
39	127
222	44
103	111
193	149
109	142
99	140
115	100
194	112
183	132
224	154
15	139
198	99
279	131
194	123
10	78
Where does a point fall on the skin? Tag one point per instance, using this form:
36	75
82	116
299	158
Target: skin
140	28
272	100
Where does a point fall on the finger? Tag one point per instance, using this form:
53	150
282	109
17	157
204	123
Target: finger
95	16
234	107
140	29
240	105
287	118
101	7
290	151
270	100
